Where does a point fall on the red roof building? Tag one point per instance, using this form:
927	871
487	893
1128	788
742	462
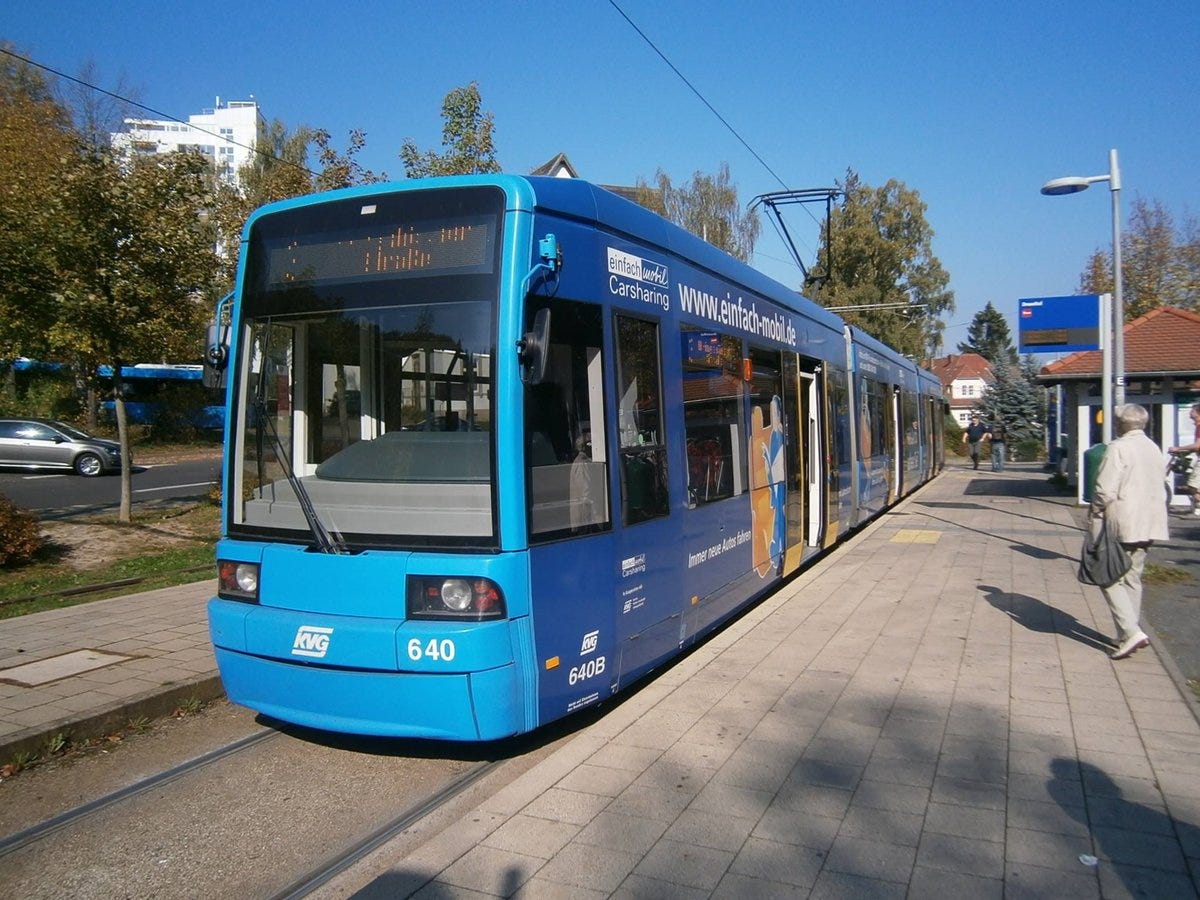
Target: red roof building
964	377
1162	373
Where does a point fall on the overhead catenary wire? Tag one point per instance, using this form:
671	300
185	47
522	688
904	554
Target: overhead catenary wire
741	140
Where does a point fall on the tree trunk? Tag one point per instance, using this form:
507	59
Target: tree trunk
126	513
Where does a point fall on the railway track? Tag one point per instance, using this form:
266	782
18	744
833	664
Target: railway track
84	811
270	813
346	858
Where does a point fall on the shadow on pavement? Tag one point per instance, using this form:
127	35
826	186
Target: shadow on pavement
1036	615
1136	847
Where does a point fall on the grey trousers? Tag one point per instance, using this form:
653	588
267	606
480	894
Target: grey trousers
1125	597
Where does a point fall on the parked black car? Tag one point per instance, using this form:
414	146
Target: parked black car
46	444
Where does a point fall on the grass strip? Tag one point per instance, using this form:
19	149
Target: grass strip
40	587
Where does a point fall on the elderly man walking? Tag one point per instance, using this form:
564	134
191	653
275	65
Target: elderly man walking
1131	498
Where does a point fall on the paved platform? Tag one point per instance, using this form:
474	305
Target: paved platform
928	711
154	653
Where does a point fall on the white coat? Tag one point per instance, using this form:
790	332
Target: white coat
1131	489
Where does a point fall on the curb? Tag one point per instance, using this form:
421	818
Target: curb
150	705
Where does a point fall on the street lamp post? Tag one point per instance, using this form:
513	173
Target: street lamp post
1073	185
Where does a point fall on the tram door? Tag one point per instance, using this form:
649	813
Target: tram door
814	480
776	508
805	483
895	436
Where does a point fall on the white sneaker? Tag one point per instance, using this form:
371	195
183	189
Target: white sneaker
1131	646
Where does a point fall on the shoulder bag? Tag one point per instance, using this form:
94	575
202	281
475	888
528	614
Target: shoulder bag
1103	561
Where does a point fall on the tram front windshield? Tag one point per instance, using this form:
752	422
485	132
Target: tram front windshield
363	405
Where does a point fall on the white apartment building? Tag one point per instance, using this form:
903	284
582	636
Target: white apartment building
226	134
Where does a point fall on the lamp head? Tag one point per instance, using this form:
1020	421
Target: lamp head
1072	184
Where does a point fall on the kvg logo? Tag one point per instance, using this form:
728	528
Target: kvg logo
311	640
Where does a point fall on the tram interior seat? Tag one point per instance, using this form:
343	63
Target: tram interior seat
413	456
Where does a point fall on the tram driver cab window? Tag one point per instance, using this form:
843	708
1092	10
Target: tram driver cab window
566	469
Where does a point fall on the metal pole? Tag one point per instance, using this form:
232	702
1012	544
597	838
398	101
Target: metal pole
1106	376
1114	185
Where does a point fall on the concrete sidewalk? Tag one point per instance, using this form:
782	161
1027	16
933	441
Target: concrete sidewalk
928	711
88	670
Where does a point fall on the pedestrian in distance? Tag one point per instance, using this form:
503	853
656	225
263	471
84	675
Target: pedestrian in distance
975	434
999	435
1130	499
1193	478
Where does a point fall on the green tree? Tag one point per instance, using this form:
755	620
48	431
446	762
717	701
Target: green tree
1160	262
467	136
708	207
1015	398
882	263
36	139
988	335
136	255
342	169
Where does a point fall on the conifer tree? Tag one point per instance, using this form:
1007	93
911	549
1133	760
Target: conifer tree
988	335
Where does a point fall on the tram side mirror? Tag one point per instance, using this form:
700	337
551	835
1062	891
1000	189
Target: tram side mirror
534	348
216	356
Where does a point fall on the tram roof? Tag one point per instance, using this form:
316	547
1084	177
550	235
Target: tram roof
588	202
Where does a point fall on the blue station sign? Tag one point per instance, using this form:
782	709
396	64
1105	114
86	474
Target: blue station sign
1059	324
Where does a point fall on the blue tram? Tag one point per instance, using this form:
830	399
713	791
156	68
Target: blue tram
499	446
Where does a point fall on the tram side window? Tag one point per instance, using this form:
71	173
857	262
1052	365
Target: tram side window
872	437
838	452
713	415
567	472
639	421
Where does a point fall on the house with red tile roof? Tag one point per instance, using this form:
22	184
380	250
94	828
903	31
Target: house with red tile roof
1162	373
964	377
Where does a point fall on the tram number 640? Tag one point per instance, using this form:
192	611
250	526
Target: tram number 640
589	669
434	649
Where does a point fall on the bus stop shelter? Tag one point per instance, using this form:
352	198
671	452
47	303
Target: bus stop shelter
1162	373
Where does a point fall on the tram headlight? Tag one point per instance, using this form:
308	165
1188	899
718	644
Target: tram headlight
438	597
456	594
237	580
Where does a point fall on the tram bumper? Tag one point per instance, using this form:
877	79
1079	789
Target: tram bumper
380	677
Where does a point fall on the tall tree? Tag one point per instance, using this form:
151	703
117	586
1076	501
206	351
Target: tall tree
467	136
883	263
1160	262
342	169
35	139
98	114
136	255
1015	398
708	207
988	335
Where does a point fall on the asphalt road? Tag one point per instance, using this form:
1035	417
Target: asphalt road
1173	610
53	495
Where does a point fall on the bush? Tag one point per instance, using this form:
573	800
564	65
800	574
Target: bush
20	534
47	396
1028	449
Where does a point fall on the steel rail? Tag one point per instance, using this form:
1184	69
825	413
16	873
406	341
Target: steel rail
43	829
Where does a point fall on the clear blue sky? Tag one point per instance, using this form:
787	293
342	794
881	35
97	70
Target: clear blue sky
972	104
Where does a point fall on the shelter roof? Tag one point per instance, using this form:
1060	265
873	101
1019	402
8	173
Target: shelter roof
1165	341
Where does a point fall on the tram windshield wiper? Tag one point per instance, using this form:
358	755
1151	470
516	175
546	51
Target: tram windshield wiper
328	540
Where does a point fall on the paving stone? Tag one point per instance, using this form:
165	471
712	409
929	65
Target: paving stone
968	821
871	859
689	865
931	882
968	856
